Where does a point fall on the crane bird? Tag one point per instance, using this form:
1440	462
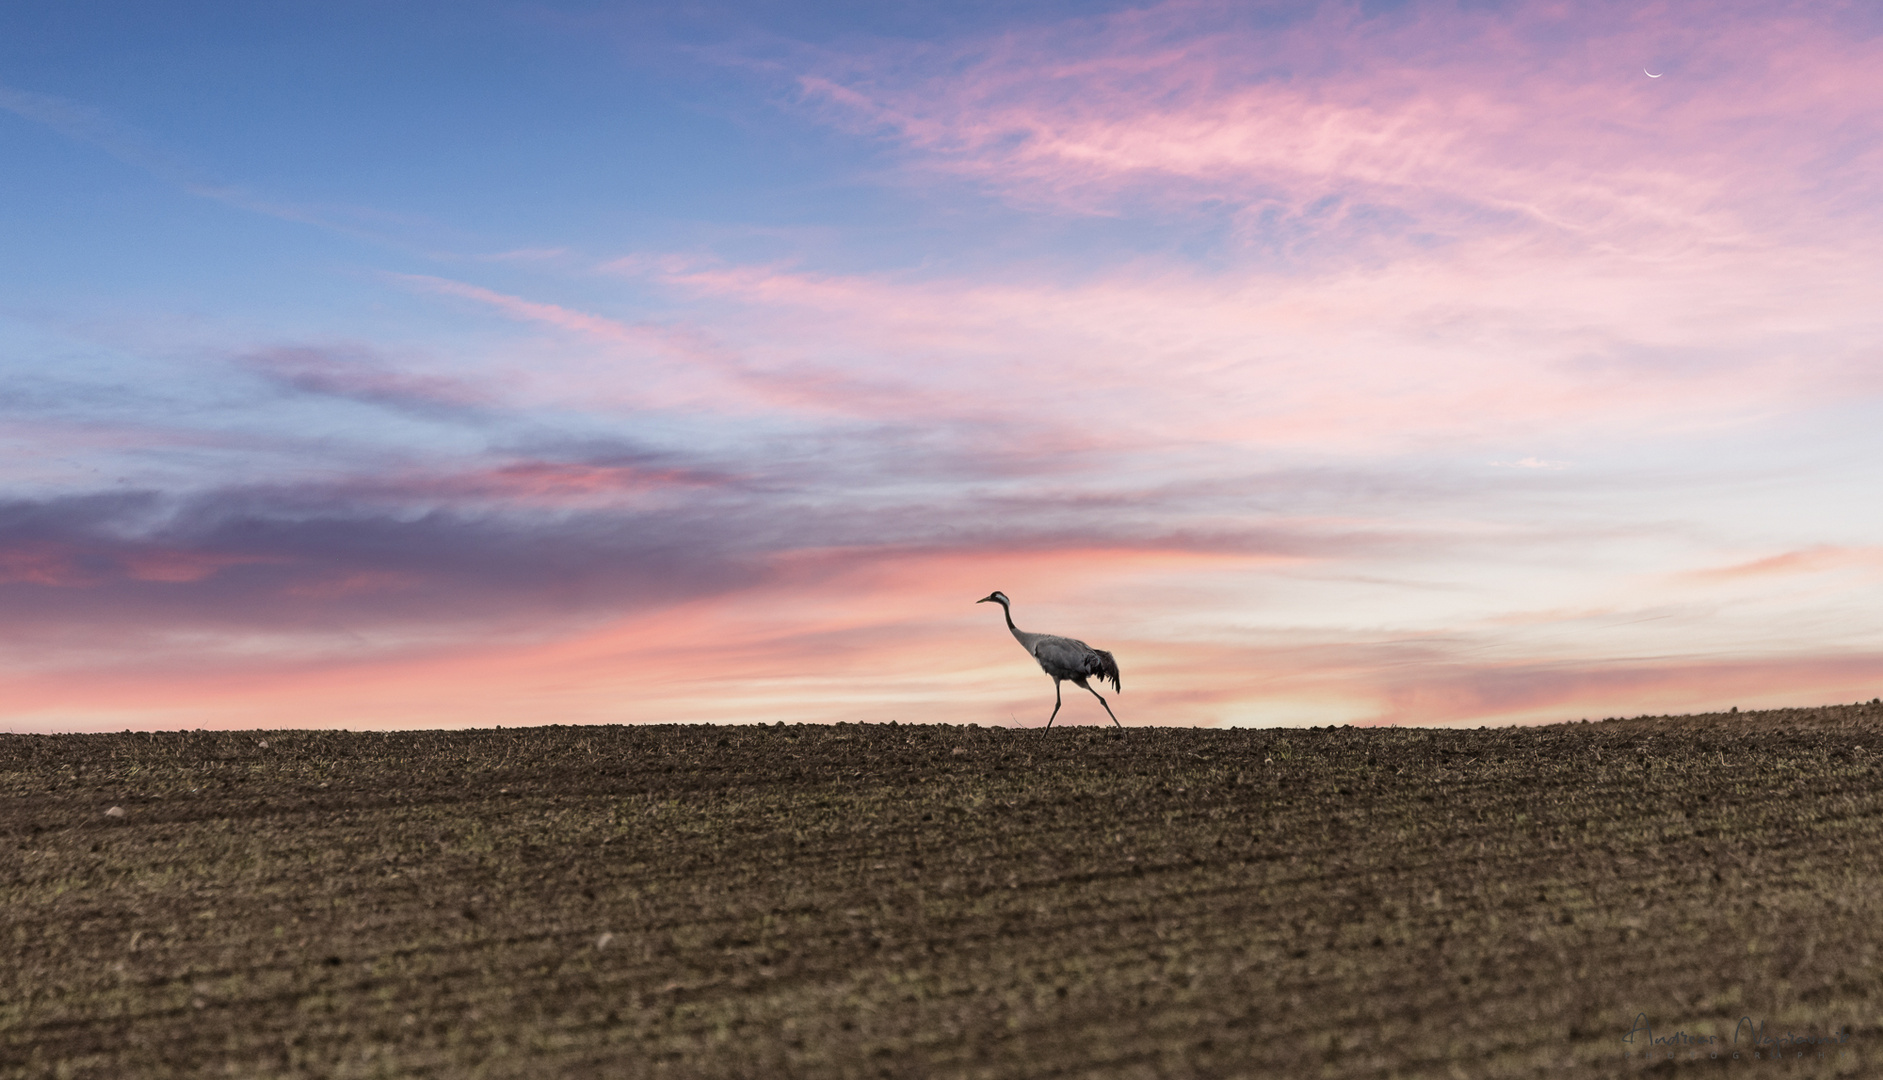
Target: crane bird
1064	658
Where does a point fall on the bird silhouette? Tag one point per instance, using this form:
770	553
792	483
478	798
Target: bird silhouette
1064	658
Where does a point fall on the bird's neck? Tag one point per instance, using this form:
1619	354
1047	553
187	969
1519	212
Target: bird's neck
1025	639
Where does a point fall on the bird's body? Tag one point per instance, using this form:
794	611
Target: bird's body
1064	659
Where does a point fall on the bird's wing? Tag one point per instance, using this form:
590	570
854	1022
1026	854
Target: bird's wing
1070	658
1060	656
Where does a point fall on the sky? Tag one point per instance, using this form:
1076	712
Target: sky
411	364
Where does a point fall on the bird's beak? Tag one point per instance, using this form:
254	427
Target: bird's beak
983	599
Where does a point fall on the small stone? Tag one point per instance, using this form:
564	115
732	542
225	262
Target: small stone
604	941
263	744
116	811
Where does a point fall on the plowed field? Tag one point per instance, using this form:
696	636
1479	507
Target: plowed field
884	900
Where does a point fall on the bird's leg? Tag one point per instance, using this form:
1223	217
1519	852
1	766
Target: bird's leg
1056	703
1102	701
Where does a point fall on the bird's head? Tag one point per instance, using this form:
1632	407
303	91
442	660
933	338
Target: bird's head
996	596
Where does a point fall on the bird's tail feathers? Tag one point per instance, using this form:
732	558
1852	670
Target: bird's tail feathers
1108	670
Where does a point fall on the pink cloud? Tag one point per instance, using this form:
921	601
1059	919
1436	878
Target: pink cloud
356	373
41	563
372	582
1577	251
693	369
532	483
1812	560
1472	348
837	634
550	479
1534	109
533	311
536	484
176	566
70	565
887	634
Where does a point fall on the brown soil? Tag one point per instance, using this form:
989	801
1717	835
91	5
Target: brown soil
881	900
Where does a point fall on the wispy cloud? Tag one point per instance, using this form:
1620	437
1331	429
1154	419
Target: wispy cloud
1467	119
356	374
93	127
1464	349
237	565
1814	560
697	367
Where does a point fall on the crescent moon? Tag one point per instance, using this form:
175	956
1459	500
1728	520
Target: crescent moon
1651	74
